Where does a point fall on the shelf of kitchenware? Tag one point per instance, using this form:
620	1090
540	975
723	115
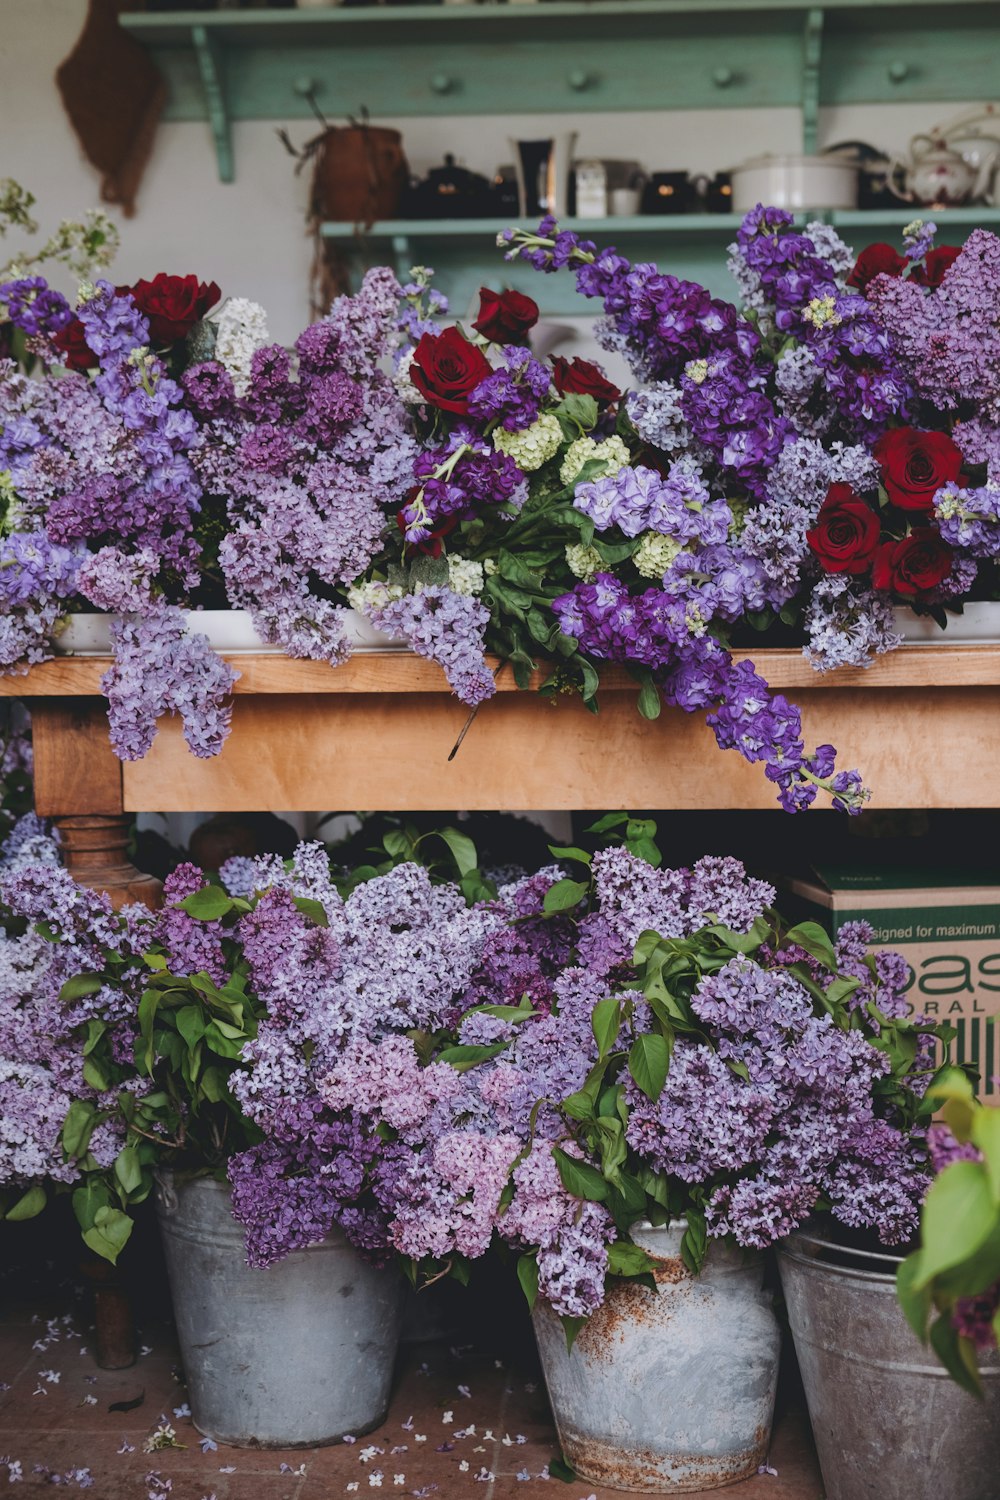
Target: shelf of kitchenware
583	56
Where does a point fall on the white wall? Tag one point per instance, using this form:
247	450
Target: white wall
250	236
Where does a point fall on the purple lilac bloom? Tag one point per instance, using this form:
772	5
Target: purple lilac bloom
447	628
160	667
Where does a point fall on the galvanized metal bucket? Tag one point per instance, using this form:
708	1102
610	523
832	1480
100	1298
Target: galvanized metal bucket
673	1390
888	1422
294	1355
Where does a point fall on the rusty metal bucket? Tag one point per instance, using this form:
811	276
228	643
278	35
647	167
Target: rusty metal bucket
888	1422
673	1390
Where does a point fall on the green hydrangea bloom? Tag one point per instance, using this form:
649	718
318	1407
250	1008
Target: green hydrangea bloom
532	446
612	454
583	561
654	554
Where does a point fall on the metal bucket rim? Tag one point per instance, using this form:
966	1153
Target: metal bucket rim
788	1250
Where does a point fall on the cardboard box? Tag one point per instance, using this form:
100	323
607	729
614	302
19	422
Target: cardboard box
947	929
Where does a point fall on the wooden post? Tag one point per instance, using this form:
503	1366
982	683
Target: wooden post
78	784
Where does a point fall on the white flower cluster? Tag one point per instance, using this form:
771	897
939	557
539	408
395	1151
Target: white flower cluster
533	446
405	389
369	598
241	329
465	576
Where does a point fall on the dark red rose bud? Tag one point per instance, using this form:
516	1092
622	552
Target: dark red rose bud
914	565
505	317
877	260
582	377
936	263
446	369
74	351
846	533
172	305
915	465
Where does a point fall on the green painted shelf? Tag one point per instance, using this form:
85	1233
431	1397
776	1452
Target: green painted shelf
465	255
568	56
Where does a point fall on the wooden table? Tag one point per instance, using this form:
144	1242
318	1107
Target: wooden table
921	724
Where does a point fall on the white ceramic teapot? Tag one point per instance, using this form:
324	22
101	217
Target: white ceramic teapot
936	177
967	134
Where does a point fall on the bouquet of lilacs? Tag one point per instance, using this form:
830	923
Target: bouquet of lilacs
645	1045
549	518
100	499
850	408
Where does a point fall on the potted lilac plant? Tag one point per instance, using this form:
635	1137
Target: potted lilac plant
657	1081
202	1033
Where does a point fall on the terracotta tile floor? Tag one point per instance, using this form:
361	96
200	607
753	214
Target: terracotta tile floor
63	1425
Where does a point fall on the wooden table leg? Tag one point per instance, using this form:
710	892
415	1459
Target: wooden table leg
78	784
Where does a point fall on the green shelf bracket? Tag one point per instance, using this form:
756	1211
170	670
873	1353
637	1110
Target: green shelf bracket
812	55
207	53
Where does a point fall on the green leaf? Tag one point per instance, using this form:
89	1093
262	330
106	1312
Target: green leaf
28	1205
581	409
606	1023
956	1354
744	942
463	850
840	989
650	702
579	1177
221	1045
986	1135
314	910
608	822
571	1327
527	1275
466	1056
89	1199
109	1234
694	1241
958	1215
80	985
648	1062
914	1298
77	1126
626	1259
191	1024
208	904
563	896
95	1030
579	1106
94	1074
570	852
816	942
128	1169
558	1467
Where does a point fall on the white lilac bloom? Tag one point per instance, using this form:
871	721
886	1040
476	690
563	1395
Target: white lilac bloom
241	329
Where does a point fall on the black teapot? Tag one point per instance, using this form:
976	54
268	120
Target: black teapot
448	192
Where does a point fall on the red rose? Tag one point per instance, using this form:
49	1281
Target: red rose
936	263
877	260
915	465
914	565
446	369
75	352
505	317
172	305
846	532
581	377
